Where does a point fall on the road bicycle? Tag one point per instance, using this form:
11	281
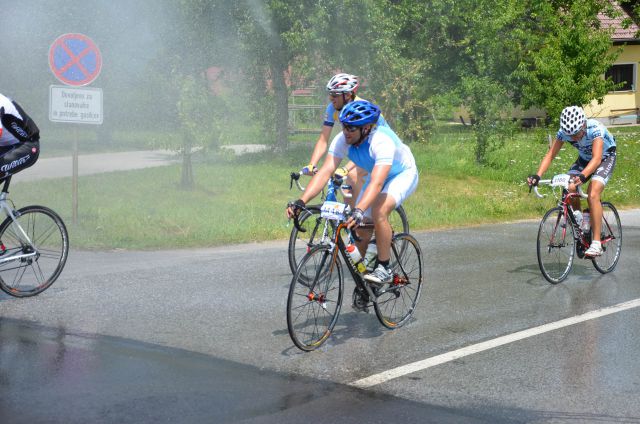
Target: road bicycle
34	245
561	238
317	288
319	230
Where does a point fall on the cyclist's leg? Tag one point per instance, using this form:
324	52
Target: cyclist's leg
19	156
576	169
364	234
596	187
392	195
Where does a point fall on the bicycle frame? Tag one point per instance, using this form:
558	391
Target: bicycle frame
582	239
9	211
579	235
338	245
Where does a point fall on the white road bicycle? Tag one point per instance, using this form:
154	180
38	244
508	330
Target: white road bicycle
34	245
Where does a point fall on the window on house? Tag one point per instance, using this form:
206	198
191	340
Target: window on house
623	73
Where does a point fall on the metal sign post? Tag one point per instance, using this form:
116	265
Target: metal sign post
74	181
75	60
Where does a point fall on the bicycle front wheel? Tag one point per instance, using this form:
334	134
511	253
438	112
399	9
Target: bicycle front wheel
313	305
300	243
555	246
397	300
611	239
33	251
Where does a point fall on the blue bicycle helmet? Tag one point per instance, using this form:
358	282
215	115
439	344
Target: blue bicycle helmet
359	113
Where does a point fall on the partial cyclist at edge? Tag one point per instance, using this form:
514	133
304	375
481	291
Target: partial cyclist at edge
19	138
342	90
392	177
596	161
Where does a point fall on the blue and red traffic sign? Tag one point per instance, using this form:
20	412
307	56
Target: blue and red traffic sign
75	59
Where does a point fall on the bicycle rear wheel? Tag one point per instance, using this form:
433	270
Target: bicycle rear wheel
611	239
28	268
313	305
555	246
397	300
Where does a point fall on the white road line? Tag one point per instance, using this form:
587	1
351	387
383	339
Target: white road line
385	376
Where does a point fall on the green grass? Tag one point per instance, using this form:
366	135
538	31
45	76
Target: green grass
242	199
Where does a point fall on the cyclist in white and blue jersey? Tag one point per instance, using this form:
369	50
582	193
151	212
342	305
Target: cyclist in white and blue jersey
342	90
596	161
392	176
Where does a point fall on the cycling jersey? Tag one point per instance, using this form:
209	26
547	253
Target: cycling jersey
19	138
15	124
594	130
331	116
381	147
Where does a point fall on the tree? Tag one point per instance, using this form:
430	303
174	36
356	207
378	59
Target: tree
494	55
570	54
273	34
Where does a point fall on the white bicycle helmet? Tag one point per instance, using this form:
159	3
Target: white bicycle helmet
572	120
343	83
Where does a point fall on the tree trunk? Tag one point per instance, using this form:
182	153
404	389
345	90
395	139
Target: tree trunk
187	180
278	67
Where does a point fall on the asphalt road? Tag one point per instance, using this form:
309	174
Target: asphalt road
200	336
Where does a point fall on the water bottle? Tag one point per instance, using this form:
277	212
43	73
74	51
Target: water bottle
579	218
586	225
356	257
371	256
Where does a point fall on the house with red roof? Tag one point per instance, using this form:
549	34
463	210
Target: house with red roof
623	105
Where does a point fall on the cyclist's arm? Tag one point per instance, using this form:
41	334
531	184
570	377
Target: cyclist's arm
321	145
318	181
551	153
379	175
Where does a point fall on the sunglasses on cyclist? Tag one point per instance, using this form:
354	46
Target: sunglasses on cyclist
334	94
350	128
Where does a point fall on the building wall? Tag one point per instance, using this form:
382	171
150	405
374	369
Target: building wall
620	107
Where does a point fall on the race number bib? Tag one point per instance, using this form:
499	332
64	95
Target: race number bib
561	180
333	210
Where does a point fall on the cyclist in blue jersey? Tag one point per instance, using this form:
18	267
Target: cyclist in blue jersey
596	161
342	90
392	176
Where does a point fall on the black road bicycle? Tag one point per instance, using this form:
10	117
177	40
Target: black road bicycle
320	230
317	288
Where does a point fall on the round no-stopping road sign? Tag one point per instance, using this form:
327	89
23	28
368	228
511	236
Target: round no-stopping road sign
75	59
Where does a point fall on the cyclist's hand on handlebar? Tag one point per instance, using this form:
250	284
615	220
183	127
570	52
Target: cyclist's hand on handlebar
310	169
342	172
356	218
533	180
578	179
294	208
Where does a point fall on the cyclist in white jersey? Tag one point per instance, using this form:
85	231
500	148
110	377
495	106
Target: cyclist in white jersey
19	138
342	90
392	176
596	161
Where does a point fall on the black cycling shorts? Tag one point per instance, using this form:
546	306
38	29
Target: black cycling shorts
604	171
18	157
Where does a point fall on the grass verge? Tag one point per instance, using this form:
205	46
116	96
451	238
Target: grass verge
242	199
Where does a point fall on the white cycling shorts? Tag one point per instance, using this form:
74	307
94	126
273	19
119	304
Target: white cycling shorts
399	187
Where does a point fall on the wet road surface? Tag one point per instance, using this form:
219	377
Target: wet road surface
49	375
200	336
